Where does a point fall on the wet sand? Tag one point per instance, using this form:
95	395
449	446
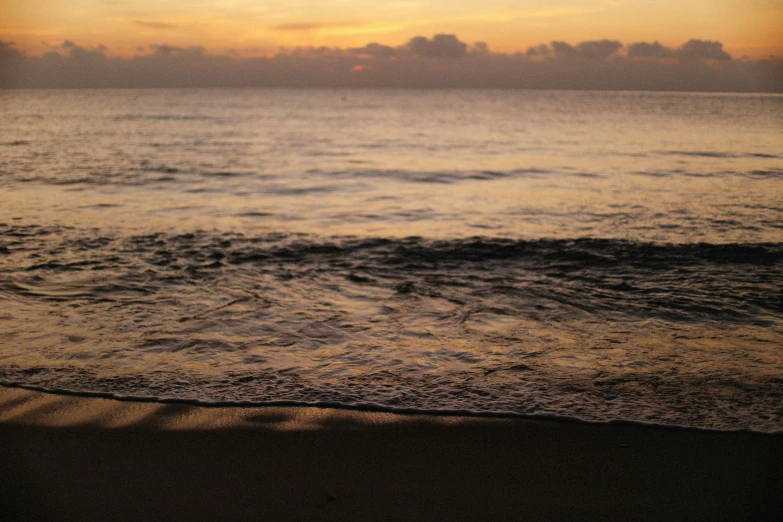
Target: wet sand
75	458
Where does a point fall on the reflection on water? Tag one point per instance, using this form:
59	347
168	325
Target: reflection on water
641	166
258	245
594	329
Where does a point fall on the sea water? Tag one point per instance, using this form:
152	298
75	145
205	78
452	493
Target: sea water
591	255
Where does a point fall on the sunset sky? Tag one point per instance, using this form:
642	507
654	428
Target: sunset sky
252	28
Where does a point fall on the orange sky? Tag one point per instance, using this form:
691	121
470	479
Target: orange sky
251	27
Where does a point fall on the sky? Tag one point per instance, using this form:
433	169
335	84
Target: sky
694	45
244	28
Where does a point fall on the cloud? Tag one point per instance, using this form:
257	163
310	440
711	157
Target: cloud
166	49
649	50
10	58
440	61
78	53
441	46
563	49
703	50
480	48
599	48
539	50
152	24
8	47
690	50
374	49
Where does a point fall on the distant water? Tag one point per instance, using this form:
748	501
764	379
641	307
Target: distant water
598	256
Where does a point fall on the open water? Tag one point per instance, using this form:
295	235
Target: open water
590	255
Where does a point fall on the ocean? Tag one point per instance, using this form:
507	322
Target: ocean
597	256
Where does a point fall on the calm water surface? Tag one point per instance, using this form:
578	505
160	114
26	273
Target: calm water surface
599	256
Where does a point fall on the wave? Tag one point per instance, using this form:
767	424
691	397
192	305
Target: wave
370	407
718	154
592	329
637	399
189	177
415	176
162	117
693	279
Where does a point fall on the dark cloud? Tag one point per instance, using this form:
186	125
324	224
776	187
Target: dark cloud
153	25
79	53
166	49
599	48
441	46
563	49
480	48
312	52
9	54
703	50
11	64
539	50
7	47
690	50
374	49
440	61
649	50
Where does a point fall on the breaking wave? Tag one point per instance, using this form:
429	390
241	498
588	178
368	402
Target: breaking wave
593	329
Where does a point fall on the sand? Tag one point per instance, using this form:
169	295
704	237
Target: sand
76	458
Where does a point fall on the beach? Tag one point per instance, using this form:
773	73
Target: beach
82	458
390	304
392	261
597	256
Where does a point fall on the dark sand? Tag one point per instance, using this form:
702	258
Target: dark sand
70	458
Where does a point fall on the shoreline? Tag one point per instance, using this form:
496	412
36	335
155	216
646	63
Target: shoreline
68	458
367	408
